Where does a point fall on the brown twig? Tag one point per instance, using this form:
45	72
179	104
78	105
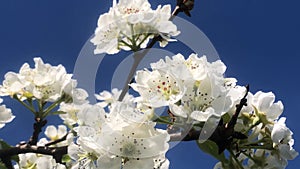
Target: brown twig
37	129
57	141
56	152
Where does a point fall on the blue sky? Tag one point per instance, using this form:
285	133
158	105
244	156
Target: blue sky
257	40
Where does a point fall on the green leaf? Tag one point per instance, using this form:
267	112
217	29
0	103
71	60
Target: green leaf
4	145
15	158
58	112
2	166
211	148
66	158
226	118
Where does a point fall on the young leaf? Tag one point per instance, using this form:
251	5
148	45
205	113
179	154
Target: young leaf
66	158
2	166
211	148
4	145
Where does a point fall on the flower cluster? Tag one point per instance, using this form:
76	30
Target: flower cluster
193	88
196	92
118	132
32	160
43	82
267	133
122	138
130	24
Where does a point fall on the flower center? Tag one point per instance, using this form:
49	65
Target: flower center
128	149
131	10
197	100
165	86
192	65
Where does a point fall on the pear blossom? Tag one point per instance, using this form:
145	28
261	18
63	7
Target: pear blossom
130	24
204	101
83	155
91	115
5	115
55	133
196	88
38	161
131	140
158	88
70	115
12	85
108	98
85	151
45	81
124	137
265	108
282	140
194	68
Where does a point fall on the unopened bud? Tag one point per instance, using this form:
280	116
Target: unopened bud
185	6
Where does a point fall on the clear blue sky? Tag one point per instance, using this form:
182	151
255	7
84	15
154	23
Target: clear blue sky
257	40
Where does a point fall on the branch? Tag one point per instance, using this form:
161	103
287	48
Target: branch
37	129
184	6
56	152
57	141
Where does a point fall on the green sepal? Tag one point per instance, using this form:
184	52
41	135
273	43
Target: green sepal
262	117
226	118
4	145
66	158
58	112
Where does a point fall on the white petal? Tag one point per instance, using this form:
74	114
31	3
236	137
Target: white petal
51	132
105	162
62	131
178	110
287	152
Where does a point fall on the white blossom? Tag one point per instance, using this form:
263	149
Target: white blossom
44	82
107	98
282	140
5	115
70	115
196	88
194	68
54	133
264	106
38	161
12	85
130	24
158	88
123	137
